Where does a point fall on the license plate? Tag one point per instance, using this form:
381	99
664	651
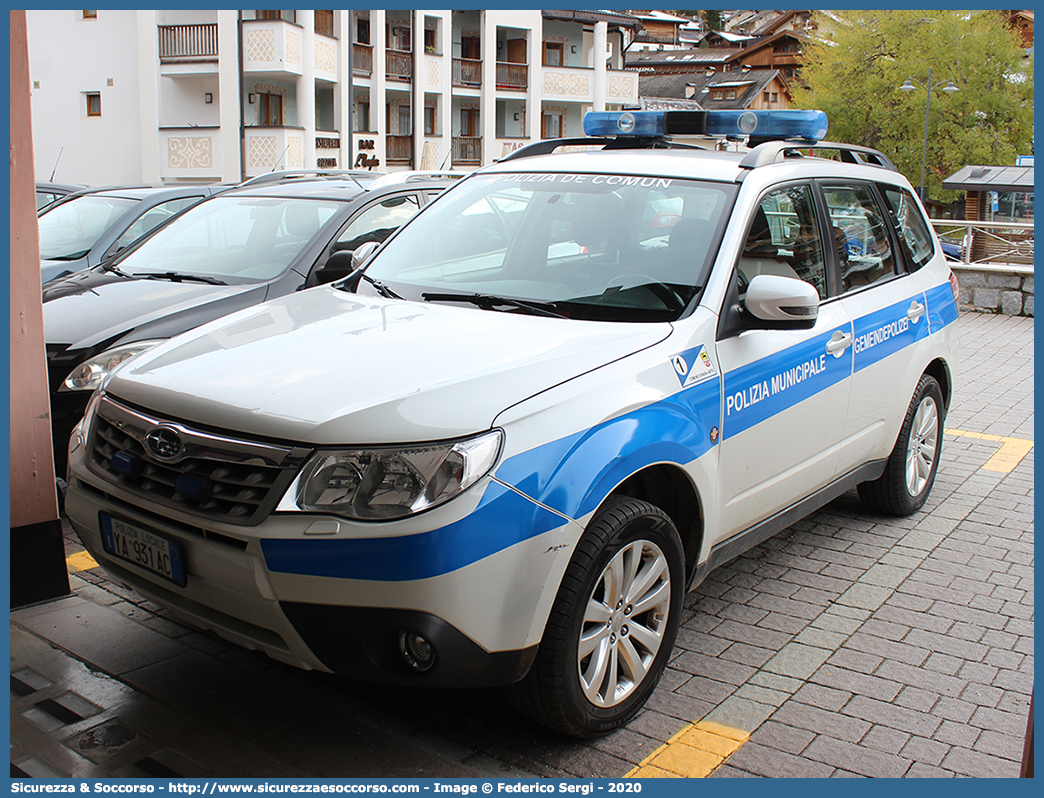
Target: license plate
143	547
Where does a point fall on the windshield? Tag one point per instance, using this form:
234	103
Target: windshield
69	230
235	239
605	247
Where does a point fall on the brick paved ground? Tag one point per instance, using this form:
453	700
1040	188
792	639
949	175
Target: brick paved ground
849	645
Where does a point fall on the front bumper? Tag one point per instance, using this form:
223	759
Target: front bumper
483	618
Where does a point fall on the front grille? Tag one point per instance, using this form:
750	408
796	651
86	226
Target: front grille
233	480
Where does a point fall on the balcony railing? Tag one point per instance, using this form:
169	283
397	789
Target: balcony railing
399	149
188	43
398	65
362	58
467	72
467	149
512	76
989	242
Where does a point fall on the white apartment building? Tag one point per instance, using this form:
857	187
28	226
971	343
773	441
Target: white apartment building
206	95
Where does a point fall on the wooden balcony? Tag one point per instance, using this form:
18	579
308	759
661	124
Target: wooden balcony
398	65
467	149
362	59
399	149
188	43
467	72
512	76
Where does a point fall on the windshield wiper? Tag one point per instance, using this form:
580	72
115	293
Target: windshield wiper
492	301
178	277
380	287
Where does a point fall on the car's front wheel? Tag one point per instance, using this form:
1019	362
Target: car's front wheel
907	480
612	626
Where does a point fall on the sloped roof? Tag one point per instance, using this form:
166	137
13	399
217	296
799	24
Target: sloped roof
991	178
621	18
691	87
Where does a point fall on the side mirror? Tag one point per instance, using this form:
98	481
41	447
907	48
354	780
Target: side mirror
363	252
337	266
771	297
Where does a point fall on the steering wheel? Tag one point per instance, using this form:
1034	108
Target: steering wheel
670	298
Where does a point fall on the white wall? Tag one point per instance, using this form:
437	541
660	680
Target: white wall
182	101
82	56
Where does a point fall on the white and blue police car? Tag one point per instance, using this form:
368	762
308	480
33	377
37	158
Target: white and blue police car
503	448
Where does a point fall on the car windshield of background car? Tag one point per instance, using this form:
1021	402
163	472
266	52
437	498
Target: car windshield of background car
238	239
69	230
605	247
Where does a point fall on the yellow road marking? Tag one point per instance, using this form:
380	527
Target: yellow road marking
694	752
81	561
1007	457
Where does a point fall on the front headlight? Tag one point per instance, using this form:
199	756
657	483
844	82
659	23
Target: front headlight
88	375
385	483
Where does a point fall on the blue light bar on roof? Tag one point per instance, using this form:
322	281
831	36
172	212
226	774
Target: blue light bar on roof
810	125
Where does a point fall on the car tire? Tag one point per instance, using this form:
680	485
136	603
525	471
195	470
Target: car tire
612	626
907	480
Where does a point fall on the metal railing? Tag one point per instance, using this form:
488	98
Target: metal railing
512	76
467	72
188	42
467	149
995	243
398	65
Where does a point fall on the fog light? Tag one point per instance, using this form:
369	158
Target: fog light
416	650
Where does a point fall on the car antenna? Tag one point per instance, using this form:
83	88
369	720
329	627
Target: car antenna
56	163
277	160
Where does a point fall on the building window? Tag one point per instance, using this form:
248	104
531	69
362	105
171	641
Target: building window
552	124
93	103
362	117
362	31
775	97
430	40
89	14
405	121
469	122
718	94
553	54
269	109
399	38
730	94
429	120
469	48
289	16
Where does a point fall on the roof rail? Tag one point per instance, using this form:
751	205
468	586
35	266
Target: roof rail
298	174
636	143
415	176
771	151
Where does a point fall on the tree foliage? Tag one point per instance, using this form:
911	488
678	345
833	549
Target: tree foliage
859	59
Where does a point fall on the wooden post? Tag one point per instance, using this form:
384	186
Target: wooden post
38	569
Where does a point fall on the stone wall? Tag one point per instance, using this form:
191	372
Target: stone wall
1006	289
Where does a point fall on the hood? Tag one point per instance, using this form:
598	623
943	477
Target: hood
52	269
328	367
92	308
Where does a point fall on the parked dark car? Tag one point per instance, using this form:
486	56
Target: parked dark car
86	227
951	249
232	251
48	192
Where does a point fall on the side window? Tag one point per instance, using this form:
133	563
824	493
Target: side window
784	240
152	218
377	222
861	237
913	230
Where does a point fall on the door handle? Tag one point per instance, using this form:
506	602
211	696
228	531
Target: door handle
838	343
915	312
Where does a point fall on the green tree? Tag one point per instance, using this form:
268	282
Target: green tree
858	60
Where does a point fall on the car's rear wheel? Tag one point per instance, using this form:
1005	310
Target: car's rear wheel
907	480
612	626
